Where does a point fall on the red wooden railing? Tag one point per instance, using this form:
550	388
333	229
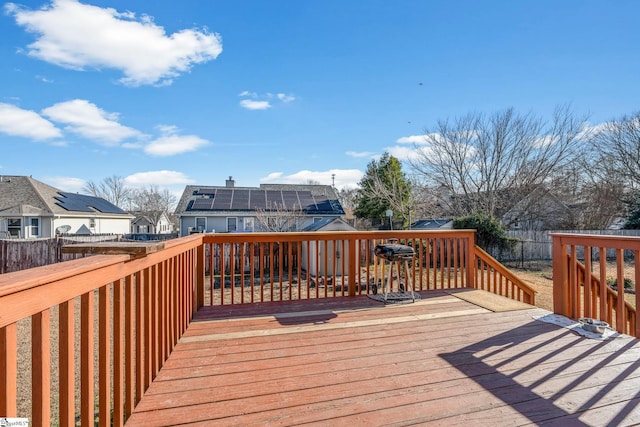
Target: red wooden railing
119	316
583	265
143	306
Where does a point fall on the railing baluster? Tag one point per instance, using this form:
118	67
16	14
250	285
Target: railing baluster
86	359
8	370
604	309
621	321
118	353
66	346
104	355
139	334
41	365
129	400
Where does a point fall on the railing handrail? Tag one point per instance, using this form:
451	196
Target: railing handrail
330	235
612	242
495	264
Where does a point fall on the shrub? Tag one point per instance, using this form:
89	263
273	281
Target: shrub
613	282
489	232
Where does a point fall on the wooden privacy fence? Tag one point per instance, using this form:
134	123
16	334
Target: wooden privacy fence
21	254
582	284
537	245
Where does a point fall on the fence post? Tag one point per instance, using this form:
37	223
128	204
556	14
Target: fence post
560	277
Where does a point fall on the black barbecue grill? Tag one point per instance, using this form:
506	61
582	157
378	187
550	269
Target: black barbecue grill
395	254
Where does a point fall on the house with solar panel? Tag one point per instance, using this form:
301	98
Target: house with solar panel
32	209
227	209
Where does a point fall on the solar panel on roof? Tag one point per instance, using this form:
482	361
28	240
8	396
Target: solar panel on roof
206	191
202	204
83	203
240	200
323	204
274	199
290	199
306	201
257	200
222	200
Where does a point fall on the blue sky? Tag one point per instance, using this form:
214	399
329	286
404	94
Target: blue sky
173	93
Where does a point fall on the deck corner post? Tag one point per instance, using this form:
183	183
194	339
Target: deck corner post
560	277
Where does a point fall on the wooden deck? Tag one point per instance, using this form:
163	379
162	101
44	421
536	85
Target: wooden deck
441	361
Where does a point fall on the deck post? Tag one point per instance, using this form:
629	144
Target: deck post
199	279
472	262
560	277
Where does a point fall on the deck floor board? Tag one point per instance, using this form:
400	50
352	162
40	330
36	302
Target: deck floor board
353	361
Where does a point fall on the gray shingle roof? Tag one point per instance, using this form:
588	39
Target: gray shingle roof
20	195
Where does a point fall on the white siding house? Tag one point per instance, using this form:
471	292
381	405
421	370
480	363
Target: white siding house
32	209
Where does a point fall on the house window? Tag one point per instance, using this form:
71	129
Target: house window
248	224
201	225
232	224
92	223
14	226
35	227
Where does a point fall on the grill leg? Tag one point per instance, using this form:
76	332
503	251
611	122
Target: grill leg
409	281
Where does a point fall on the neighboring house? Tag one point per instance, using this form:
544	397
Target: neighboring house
142	224
229	208
30	208
539	210
432	224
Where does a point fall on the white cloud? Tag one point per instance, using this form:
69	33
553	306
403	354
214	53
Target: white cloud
413	139
257	101
250	104
248	94
65	183
77	36
342	177
87	120
285	98
161	177
360	154
404	153
15	121
171	144
271	177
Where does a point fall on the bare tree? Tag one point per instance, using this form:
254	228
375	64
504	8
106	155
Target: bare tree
279	218
618	145
348	199
112	189
153	202
486	163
